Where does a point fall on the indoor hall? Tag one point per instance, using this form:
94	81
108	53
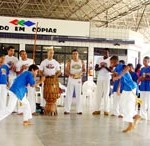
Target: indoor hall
90	53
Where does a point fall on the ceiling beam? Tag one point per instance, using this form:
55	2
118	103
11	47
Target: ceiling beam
138	25
1	3
123	14
21	6
52	7
79	7
147	21
70	10
105	9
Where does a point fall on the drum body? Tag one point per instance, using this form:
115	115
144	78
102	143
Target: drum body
51	94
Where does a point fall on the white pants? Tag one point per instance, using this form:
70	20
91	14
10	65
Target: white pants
3	96
19	107
145	107
102	91
11	105
42	100
73	84
11	80
31	96
60	101
116	104
128	103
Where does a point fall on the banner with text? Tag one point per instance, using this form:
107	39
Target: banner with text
45	26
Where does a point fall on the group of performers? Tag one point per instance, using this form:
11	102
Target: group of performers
127	84
19	77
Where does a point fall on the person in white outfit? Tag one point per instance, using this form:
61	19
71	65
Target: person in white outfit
23	65
117	90
11	61
49	66
74	69
50	71
103	84
17	92
128	96
4	73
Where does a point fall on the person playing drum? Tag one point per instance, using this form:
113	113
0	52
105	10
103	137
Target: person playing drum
50	70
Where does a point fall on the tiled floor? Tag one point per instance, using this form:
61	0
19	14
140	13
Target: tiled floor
72	130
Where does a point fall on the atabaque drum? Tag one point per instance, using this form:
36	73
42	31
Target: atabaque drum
51	94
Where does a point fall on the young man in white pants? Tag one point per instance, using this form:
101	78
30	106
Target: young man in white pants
128	96
18	91
74	69
145	89
117	90
11	61
23	65
4	72
103	84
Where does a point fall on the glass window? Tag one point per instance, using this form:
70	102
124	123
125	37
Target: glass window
4	47
29	50
112	51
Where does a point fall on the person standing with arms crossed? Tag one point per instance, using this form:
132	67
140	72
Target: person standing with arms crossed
103	84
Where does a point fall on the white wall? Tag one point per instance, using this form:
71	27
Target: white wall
109	33
132	57
145	51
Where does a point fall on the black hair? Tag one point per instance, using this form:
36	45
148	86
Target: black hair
146	57
75	50
22	51
33	67
124	66
10	47
105	57
114	58
2	55
130	64
106	49
122	61
138	66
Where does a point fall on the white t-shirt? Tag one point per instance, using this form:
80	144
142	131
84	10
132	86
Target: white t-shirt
9	60
49	67
103	74
21	62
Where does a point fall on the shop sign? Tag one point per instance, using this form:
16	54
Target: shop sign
45	26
